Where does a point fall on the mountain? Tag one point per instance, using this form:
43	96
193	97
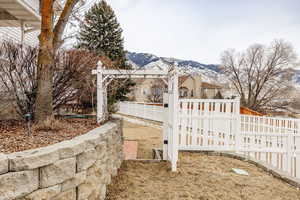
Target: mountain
143	59
210	72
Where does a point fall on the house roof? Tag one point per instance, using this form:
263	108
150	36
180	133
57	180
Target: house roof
248	111
206	85
183	78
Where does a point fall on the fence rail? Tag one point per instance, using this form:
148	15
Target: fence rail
217	125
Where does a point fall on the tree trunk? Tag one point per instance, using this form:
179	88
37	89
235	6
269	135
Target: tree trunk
44	100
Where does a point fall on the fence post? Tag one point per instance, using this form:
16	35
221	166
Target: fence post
289	152
238	134
165	125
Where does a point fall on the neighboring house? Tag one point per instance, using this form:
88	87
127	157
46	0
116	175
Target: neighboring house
209	91
147	90
151	90
190	86
20	21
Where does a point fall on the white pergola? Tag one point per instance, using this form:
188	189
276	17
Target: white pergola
170	135
104	78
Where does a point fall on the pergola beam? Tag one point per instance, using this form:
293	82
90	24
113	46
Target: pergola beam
127	73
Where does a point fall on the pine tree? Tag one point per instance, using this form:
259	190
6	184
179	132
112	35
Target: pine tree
101	33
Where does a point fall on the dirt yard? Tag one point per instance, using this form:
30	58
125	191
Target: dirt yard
147	138
199	176
14	134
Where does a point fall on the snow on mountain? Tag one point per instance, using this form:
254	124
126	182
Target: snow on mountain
210	73
159	64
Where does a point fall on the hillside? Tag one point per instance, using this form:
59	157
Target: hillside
209	72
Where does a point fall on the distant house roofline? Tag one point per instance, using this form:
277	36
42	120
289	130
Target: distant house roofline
207	85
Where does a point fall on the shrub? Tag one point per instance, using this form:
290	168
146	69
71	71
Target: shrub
18	75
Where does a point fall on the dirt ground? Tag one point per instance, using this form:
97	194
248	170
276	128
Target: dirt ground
199	176
147	137
14	134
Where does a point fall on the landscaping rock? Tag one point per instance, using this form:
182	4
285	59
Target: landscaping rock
101	150
3	164
70	149
74	182
84	191
86	159
46	193
32	159
58	172
67	195
18	184
102	192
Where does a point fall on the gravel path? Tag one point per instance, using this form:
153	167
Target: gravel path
147	138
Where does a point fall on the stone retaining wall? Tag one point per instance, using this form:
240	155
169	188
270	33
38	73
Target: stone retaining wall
78	169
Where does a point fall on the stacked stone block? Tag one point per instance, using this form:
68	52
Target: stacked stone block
78	169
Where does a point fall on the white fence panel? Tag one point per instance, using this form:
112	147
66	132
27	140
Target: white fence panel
206	124
142	110
275	141
217	125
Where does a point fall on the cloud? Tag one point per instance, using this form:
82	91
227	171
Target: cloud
201	30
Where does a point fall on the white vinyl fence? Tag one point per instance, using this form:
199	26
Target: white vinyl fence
153	111
217	125
272	140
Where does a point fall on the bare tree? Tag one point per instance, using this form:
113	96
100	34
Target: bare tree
156	92
18	75
261	75
54	22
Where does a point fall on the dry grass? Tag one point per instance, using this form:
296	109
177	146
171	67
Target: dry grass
199	177
50	124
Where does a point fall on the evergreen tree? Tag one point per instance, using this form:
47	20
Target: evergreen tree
101	33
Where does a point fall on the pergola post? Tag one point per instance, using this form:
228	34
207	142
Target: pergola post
100	95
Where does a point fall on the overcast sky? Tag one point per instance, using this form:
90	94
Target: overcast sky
201	30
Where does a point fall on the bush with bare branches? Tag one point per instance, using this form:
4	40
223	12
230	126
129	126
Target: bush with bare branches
18	75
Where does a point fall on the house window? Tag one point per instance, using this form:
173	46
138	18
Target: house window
192	93
183	92
144	91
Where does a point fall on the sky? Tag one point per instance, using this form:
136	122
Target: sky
201	30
